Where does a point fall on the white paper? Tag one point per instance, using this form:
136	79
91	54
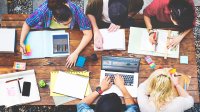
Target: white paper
71	85
113	40
7	40
9	92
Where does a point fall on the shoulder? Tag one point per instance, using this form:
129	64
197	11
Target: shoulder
83	107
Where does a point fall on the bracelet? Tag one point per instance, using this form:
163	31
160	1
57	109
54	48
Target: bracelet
151	33
150	30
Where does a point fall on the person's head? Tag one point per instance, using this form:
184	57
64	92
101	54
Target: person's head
118	11
160	87
51	4
62	14
109	103
134	6
182	14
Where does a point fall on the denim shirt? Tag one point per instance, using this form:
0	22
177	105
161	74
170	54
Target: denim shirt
83	107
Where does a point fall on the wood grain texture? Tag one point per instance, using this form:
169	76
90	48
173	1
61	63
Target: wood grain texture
42	69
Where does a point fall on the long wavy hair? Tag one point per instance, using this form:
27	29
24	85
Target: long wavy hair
160	88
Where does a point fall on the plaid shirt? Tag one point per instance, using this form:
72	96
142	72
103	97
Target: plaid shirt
42	16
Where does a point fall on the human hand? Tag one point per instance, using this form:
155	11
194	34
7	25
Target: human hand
174	79
106	84
23	49
71	60
119	81
174	41
113	27
98	40
151	39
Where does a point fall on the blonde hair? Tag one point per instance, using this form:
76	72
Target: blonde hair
160	88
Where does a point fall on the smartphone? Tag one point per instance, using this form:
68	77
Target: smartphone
26	89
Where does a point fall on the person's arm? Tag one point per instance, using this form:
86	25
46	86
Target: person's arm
25	29
105	85
119	82
148	24
98	39
87	36
175	41
180	89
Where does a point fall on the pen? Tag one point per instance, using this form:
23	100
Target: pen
14	79
155	38
19	86
185	85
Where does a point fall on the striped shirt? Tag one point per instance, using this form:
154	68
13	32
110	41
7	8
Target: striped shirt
42	16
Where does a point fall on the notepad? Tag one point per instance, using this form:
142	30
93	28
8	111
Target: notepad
71	85
47	44
139	43
7	40
113	40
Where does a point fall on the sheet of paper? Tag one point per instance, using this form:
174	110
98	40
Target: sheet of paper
7	40
113	40
12	96
75	86
59	100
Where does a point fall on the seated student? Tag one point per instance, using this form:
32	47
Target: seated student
180	13
159	94
59	13
109	102
111	14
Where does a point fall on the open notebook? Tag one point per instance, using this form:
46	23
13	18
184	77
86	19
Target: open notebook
47	44
113	40
139	43
9	92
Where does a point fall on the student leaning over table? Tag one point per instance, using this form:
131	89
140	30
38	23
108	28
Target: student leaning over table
109	102
63	13
111	14
180	13
158	94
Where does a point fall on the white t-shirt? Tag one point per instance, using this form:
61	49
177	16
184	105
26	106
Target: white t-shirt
105	12
178	104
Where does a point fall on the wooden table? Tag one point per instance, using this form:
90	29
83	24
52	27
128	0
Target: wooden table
42	69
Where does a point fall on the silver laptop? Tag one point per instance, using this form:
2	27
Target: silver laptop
128	68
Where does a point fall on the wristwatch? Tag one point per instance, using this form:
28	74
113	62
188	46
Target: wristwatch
98	89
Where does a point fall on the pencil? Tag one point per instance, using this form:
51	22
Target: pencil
19	86
14	79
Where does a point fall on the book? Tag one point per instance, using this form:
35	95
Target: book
139	43
7	40
113	40
43	44
10	94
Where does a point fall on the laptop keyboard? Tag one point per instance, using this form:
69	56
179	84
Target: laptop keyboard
128	79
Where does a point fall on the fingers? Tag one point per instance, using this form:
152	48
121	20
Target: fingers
23	50
69	63
113	27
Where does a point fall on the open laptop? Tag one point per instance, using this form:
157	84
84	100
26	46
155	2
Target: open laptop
127	67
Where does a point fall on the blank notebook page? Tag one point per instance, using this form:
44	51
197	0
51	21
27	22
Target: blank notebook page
71	85
113	40
7	40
